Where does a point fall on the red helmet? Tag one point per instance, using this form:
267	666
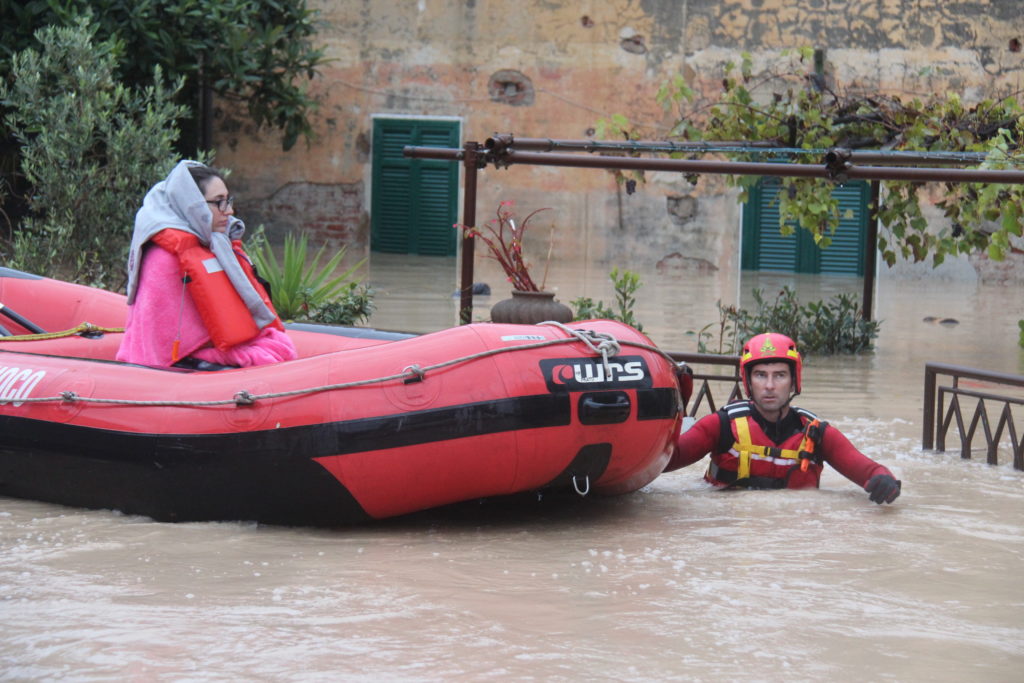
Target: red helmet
770	347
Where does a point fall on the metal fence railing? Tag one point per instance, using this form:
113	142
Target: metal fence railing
938	416
706	382
943	405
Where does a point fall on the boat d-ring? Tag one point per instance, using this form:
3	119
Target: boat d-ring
576	485
417	374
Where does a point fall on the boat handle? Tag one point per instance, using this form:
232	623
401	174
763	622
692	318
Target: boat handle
604	407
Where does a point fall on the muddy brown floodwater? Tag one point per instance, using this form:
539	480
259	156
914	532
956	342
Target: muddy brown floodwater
674	582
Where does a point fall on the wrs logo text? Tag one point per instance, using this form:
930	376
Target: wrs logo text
584	374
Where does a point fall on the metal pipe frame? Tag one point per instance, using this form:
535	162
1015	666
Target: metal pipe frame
838	165
838	171
502	141
470	158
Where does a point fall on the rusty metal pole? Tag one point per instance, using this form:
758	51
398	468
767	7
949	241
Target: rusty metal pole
500	142
928	418
852	172
871	252
469	163
506	157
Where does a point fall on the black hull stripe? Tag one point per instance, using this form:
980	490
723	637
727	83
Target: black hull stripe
268	476
312	441
307	441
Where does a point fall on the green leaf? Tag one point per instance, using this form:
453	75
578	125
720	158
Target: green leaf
299	284
1011	218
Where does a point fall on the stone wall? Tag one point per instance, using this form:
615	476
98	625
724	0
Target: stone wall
553	68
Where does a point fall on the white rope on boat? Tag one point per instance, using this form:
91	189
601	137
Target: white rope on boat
605	344
599	343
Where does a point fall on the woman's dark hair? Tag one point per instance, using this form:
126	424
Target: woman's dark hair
203	175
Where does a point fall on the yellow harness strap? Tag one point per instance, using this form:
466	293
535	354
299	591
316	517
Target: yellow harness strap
745	448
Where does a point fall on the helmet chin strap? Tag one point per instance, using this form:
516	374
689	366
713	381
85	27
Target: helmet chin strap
788	401
783	409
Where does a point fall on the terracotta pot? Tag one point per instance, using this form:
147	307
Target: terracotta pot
530	308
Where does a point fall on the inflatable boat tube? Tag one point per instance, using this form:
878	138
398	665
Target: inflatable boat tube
361	426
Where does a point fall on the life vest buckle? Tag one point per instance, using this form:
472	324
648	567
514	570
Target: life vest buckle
812	437
816	430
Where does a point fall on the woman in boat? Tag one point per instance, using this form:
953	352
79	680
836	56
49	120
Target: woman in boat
194	299
763	443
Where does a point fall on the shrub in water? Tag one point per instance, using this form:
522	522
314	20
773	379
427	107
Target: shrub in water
626	284
819	327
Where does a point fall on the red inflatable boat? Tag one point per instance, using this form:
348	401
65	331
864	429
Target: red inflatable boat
361	426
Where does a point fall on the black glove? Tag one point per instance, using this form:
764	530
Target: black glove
883	488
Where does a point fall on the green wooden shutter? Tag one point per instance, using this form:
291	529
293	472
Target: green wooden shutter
775	250
391	213
414	200
846	253
765	249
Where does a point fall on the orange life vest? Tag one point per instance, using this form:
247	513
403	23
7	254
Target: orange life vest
755	461
222	309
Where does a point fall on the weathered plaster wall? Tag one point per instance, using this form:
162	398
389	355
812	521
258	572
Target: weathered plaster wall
581	61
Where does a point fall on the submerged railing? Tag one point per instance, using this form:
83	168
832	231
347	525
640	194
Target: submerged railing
937	417
703	392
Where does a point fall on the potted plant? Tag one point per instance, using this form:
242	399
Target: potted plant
529	304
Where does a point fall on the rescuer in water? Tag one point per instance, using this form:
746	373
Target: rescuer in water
194	298
765	443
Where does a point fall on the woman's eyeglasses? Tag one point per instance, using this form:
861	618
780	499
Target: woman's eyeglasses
222	204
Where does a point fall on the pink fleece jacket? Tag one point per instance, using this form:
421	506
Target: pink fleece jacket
163	312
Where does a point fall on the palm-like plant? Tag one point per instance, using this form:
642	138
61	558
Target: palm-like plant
299	291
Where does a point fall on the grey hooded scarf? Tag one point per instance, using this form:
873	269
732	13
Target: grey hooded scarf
176	202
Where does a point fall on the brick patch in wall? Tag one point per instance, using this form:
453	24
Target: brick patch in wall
326	213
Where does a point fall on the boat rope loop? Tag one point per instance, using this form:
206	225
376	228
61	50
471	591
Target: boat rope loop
599	343
244	398
82	328
418	373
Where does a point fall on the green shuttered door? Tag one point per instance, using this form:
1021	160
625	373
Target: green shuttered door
765	249
414	200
